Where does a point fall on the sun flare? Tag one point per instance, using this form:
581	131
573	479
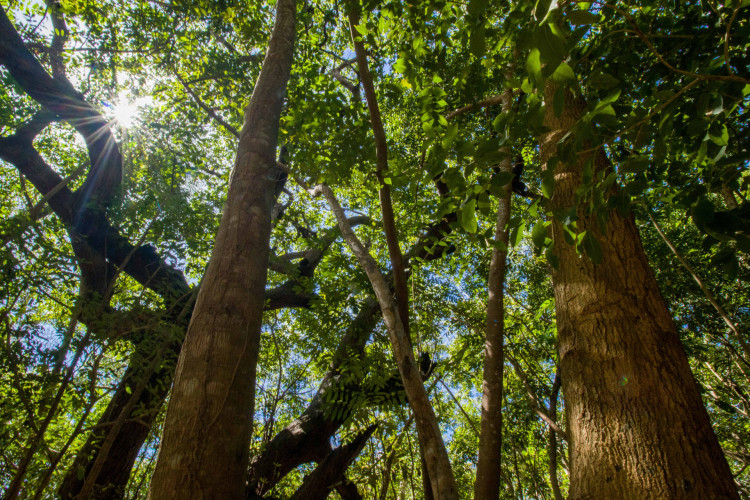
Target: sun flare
125	113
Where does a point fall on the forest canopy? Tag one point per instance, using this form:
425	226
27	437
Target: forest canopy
374	249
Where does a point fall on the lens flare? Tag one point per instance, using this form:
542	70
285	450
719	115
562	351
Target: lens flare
125	113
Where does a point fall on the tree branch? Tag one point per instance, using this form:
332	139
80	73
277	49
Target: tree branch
330	471
381	171
215	116
63	100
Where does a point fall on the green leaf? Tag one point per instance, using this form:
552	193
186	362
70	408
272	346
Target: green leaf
602	81
702	212
476	8
539	234
477	42
548	184
558	101
551	257
551	48
541	9
498	183
399	66
468	216
719	134
450	135
534	68
516	236
564	74
581	17
593	248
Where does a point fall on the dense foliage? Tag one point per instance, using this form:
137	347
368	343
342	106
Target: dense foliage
666	84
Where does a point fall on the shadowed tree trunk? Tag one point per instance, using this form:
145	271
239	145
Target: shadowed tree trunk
205	443
330	472
487	484
637	425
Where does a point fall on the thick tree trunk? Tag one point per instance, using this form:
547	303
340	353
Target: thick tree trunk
487	484
204	448
637	425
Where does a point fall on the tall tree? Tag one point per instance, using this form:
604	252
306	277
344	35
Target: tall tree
620	356
489	460
205	444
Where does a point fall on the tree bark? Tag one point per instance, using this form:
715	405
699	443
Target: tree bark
205	443
307	438
487	484
637	425
435	454
58	96
552	443
330	471
381	172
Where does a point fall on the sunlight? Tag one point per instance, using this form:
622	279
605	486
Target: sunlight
126	111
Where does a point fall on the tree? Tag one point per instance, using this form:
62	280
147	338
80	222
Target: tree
204	447
376	317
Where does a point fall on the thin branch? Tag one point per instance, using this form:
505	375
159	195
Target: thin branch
348	84
440	472
539	408
62	99
381	172
485	103
647	41
706	292
727	35
215	116
466	415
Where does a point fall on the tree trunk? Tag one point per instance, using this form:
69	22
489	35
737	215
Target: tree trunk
330	472
552	443
637	425
487	484
205	443
435	453
118	461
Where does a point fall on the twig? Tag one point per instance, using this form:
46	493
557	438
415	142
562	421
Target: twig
706	292
207	109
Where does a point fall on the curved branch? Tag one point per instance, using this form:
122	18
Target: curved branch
63	100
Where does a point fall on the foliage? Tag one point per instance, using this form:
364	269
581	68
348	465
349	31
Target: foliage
667	85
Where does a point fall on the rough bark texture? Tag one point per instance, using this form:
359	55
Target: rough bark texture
435	454
487	484
637	425
204	448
